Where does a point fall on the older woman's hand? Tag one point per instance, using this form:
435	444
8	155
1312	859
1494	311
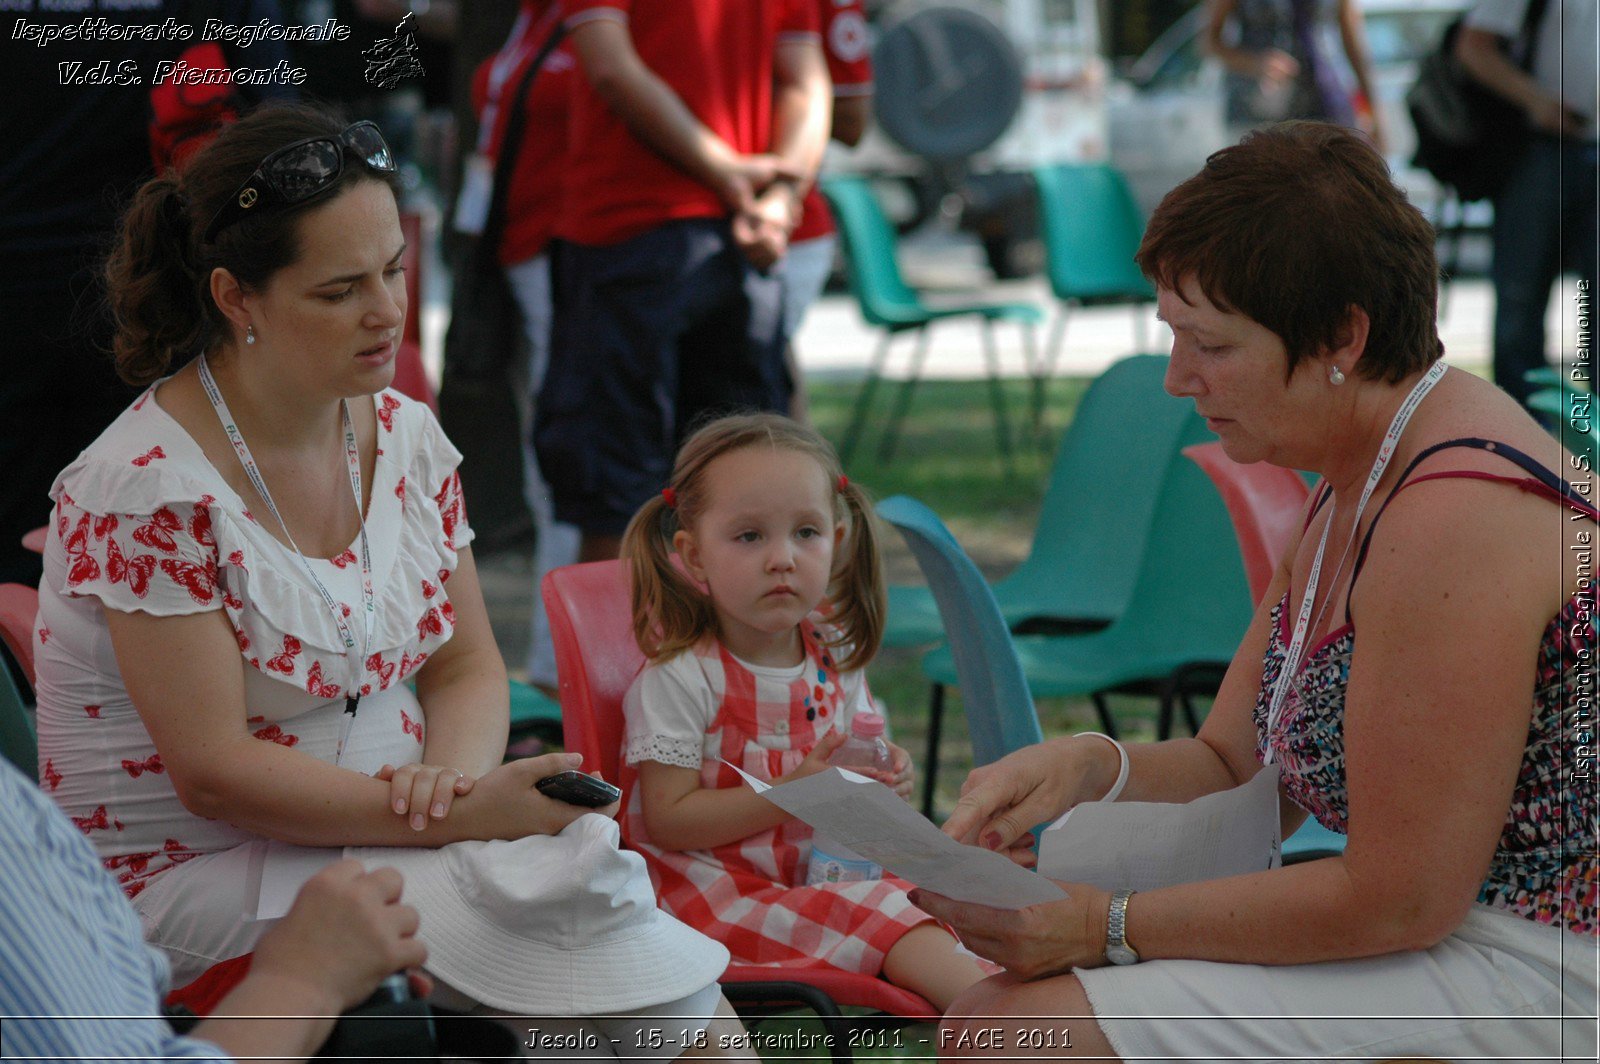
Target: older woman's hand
1034	942
1001	802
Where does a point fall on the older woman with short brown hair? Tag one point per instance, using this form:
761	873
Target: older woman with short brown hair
1448	741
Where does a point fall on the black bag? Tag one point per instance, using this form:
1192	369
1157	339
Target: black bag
1468	136
485	340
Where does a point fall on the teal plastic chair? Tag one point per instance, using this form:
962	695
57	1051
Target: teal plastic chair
1096	513
19	605
1000	713
1581	432
533	712
887	302
1188	609
1092	228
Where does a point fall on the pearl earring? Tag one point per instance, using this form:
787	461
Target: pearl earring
1335	375
250	335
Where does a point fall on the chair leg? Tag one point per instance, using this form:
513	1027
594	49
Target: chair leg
1107	725
1046	366
858	416
931	762
1186	703
834	1022
891	434
1168	696
1139	328
1029	358
997	396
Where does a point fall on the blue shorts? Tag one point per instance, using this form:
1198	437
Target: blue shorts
651	337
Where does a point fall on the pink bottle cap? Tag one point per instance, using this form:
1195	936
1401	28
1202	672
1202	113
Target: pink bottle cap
867	724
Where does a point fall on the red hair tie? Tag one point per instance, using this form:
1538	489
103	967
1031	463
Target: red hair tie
844	482
671	497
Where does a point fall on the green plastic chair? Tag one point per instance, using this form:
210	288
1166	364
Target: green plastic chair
1581	432
1189	607
1092	228
533	712
1000	716
887	302
1096	514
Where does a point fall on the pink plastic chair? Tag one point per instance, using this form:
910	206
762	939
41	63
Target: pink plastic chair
1264	502
591	622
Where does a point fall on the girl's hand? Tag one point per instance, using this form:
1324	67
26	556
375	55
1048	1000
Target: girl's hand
817	759
901	776
1034	942
424	790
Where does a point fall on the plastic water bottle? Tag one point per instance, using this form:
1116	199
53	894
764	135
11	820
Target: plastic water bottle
865	749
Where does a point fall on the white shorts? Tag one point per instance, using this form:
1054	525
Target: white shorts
1500	987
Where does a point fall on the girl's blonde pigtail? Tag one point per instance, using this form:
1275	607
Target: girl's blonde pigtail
860	600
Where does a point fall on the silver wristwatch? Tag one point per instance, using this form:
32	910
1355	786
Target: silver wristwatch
1117	949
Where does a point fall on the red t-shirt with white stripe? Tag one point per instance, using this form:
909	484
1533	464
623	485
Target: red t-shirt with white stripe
844	42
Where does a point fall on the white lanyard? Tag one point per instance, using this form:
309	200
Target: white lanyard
352	699
1291	659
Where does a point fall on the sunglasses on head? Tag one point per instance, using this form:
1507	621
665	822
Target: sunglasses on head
299	171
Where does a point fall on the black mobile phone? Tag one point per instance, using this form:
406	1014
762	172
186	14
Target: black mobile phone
579	788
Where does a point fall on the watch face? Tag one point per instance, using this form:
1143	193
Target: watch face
1121	955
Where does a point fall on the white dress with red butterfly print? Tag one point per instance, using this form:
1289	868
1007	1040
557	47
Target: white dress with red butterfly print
143	522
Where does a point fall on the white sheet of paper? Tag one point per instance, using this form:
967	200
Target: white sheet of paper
1149	845
284	871
881	826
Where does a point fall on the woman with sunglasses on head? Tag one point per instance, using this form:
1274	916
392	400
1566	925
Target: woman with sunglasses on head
253	559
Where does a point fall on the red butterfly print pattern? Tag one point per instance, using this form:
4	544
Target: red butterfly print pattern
51	778
158	533
135	769
430	623
347	558
200	581
236	559
386	413
243	640
96	821
232	601
315	686
92	711
409	664
428	590
104	525
135	571
284	662
409	726
272	733
384	669
44	634
200	527
149	456
448	612
400	492
449	501
83	566
444	574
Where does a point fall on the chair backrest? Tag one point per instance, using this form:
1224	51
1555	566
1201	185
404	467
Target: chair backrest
869	245
1103	491
999	709
1092	228
591	625
1572	418
1264	503
19	608
411	232
1190	590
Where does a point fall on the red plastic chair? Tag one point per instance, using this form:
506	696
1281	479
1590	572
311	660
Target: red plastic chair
591	622
19	608
34	539
1264	502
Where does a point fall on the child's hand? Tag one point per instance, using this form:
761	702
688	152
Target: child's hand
817	759
901	775
424	790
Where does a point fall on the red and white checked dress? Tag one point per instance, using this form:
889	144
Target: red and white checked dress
143	522
704	706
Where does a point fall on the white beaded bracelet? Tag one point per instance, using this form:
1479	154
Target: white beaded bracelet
1122	768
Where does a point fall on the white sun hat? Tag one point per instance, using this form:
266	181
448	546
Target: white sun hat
550	925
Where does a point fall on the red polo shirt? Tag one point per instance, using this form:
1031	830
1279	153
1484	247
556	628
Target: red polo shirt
533	200
717	55
844	42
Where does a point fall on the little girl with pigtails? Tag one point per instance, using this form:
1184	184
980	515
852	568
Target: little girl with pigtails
757	636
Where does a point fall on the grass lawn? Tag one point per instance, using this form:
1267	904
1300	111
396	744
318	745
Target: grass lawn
948	458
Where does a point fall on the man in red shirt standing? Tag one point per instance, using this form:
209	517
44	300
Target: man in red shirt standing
696	128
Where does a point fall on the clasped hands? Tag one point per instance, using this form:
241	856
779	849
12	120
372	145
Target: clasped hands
762	191
505	803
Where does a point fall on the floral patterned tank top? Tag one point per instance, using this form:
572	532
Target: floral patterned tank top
1544	866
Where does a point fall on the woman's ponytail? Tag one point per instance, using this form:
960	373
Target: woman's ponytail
155	294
